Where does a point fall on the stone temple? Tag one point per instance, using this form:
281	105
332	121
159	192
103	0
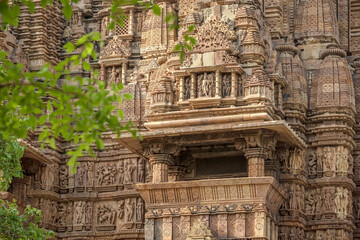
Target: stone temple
255	135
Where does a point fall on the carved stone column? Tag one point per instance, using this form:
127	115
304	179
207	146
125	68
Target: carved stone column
176	173
193	86
160	157
233	84
160	167
181	90
217	84
256	161
123	73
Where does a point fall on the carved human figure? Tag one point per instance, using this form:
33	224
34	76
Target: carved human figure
69	214
312	164
107	174
284	162
140	210
309	203
106	215
328	200
298	197
357	209
53	212
43	174
337	199
120	209
148	172
129	169
80	176
104	23
318	202
113	75
187	87
63	172
88	213
79	212
90	174
206	81
320	161
61	217
141	171
226	85
129	210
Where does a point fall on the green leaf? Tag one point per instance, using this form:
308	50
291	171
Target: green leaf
156	10
86	66
69	47
128	96
52	143
67	9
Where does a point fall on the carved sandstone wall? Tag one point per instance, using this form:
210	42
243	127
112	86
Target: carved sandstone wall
254	136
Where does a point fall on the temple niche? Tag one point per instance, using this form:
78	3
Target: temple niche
254	135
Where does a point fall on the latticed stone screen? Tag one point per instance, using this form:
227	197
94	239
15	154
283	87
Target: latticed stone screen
122	29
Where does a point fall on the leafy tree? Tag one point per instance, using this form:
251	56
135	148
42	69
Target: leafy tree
36	100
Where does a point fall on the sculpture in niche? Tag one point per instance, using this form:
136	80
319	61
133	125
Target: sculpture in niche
341	200
310	203
148	172
206	83
318	201
141	171
61	217
43	169
226	85
129	167
312	164
79	211
104	24
106	215
328	200
129	210
69	215
90	174
140	210
106	174
120	209
53	212
80	175
63	172
357	209
88	213
284	161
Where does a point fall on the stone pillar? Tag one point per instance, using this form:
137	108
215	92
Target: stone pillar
160	167
256	161
176	173
181	90
131	22
217	84
233	84
102	73
193	86
123	73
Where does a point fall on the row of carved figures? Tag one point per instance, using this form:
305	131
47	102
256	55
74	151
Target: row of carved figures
296	233
330	202
206	85
81	214
88	173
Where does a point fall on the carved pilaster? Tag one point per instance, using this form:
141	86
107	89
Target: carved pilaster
176	173
256	161
161	156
